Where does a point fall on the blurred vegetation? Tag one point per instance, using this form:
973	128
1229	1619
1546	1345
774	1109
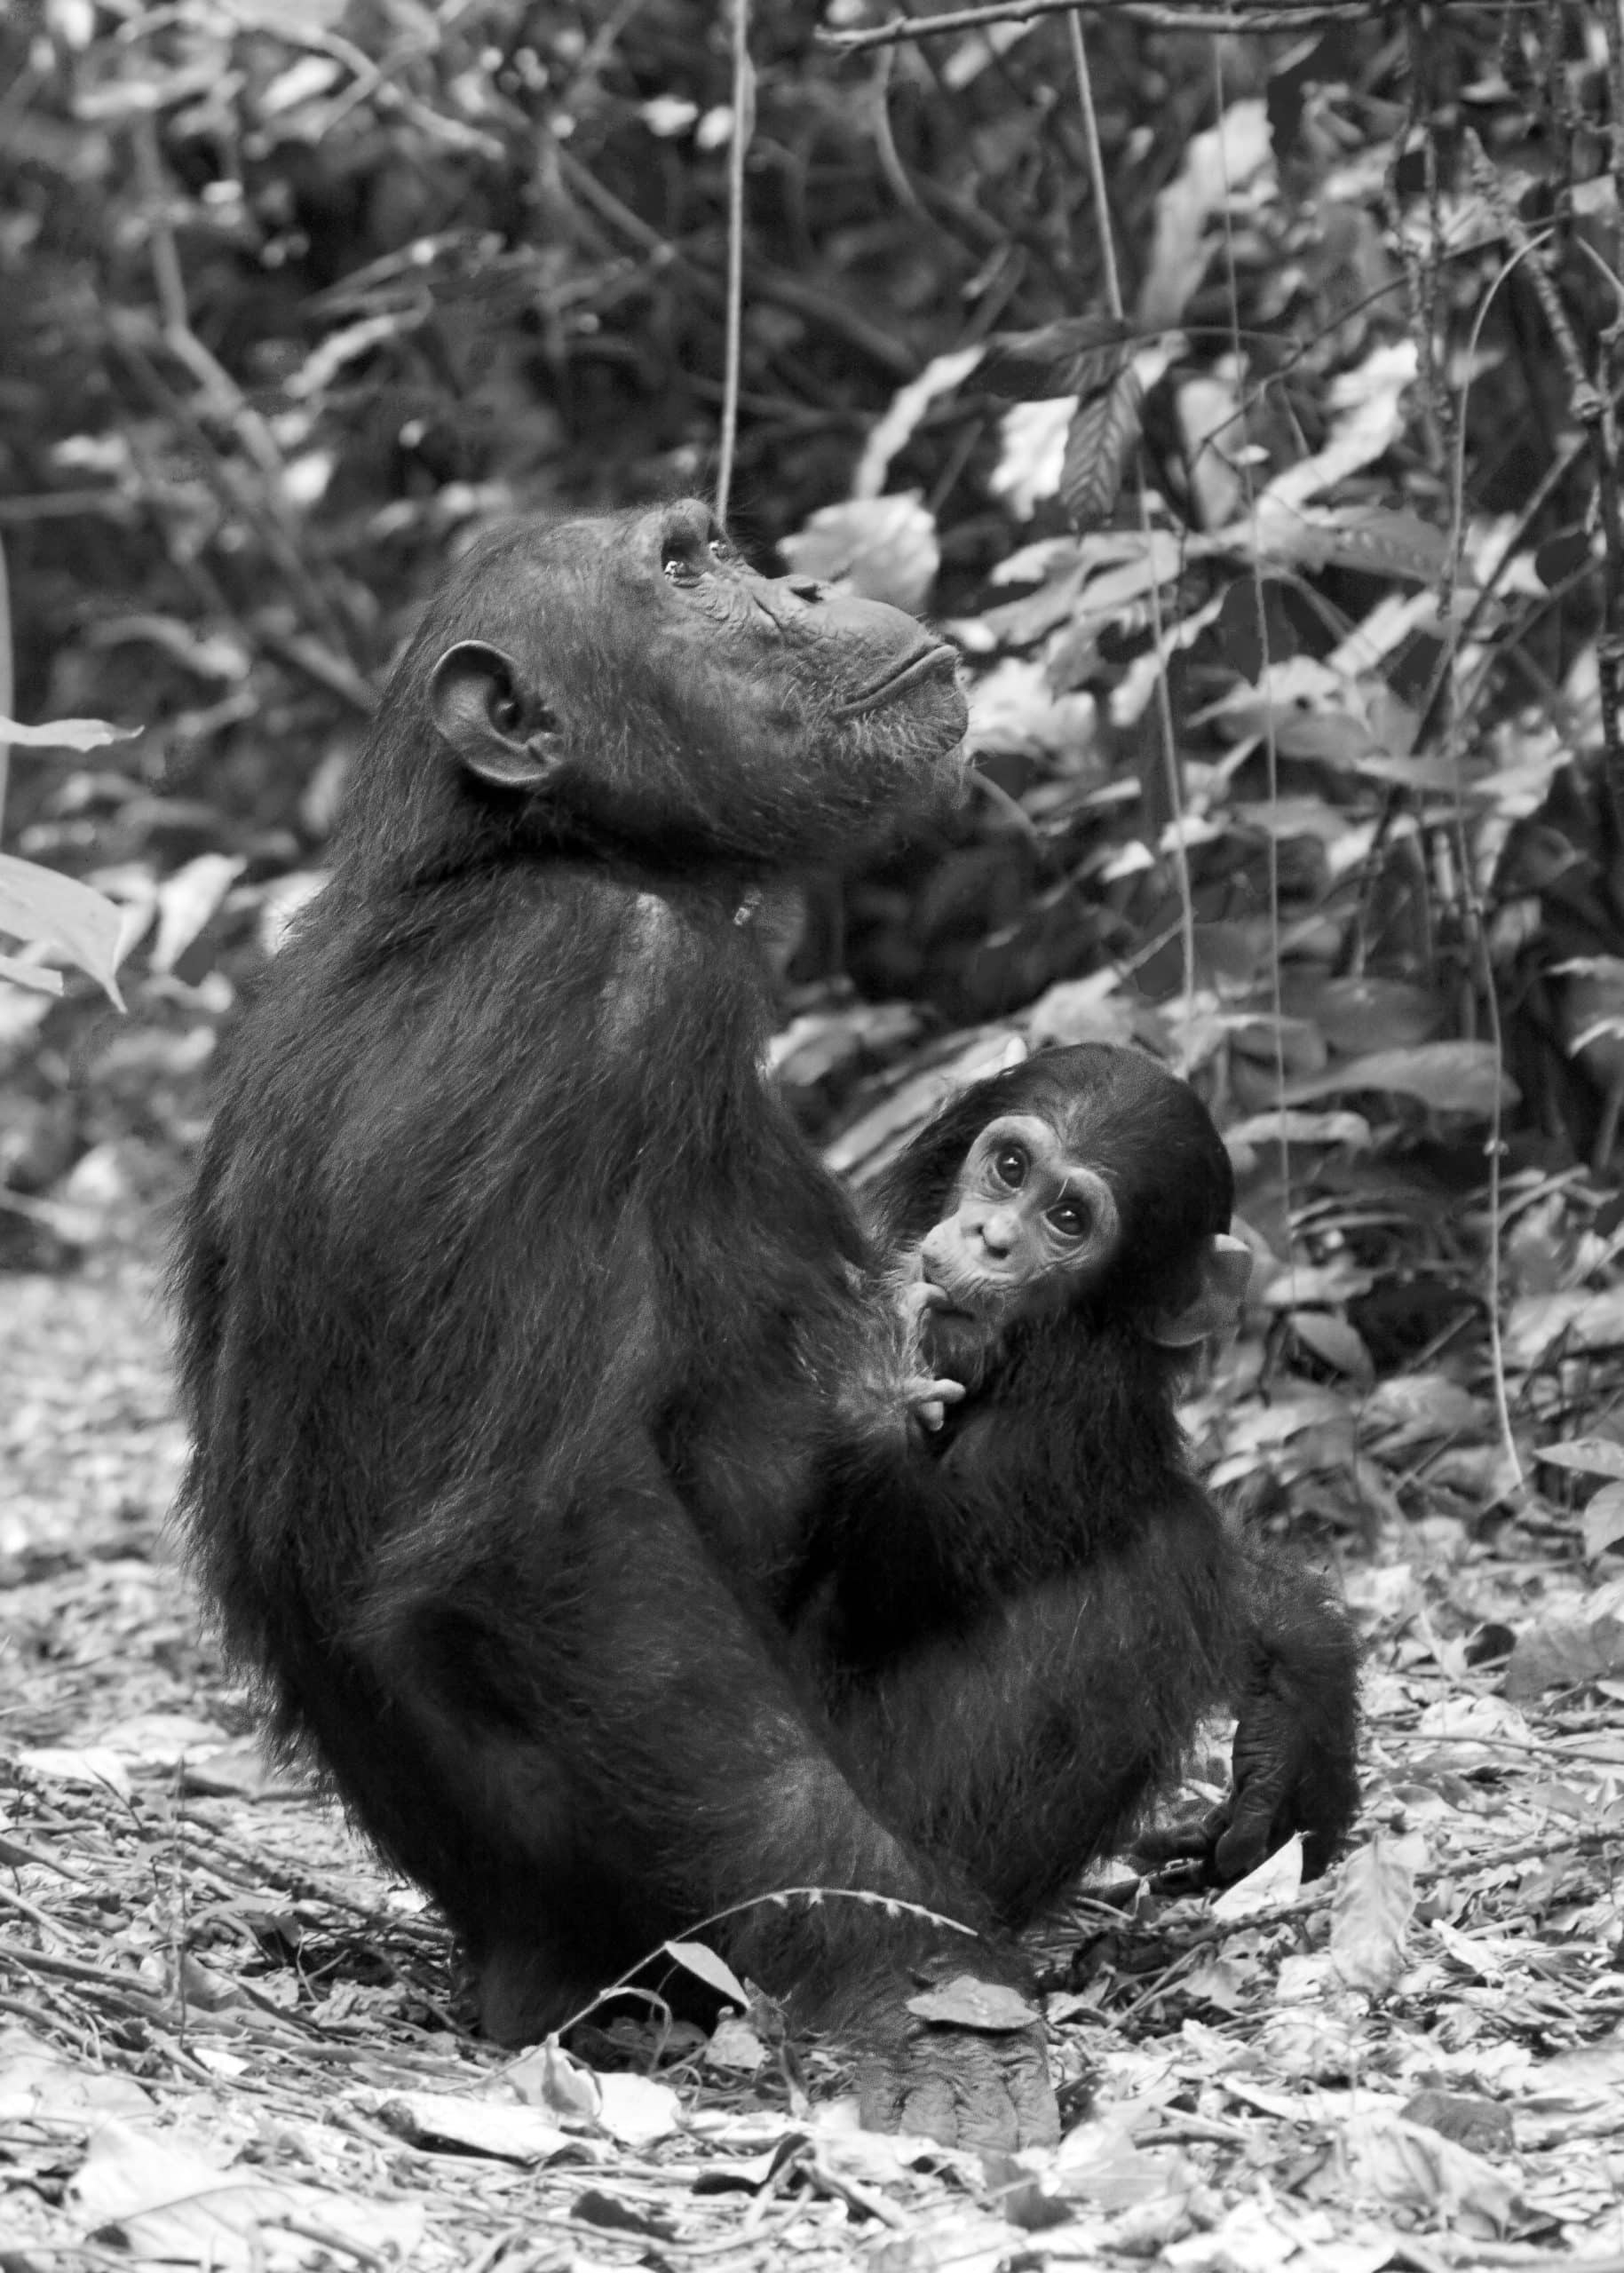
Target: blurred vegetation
1276	509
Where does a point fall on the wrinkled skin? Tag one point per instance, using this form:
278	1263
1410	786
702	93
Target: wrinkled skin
990	2094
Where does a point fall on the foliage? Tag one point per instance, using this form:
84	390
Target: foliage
1276	513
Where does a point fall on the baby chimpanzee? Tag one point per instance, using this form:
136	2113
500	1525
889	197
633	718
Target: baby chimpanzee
1060	1235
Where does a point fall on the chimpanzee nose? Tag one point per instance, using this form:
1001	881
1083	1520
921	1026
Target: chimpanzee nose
998	1231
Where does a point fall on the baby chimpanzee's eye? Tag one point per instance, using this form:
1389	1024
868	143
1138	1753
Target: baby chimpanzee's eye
1010	1165
1070	1218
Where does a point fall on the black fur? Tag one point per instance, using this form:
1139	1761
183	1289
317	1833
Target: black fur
1051	1546
512	1299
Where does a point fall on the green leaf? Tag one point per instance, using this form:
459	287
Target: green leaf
715	1972
1075	355
1605	1521
1559	556
38	977
66	733
1590	1456
1335	1341
1356	1014
36	904
1384	540
1098	447
1447	1076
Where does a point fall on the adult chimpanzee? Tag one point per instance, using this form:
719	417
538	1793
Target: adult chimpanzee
1020	1620
513	1305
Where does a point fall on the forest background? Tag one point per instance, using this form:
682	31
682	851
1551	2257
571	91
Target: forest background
1239	387
1244	402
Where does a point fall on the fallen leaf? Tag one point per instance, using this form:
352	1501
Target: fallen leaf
37	2086
1371	1909
1565	1655
1380	2157
1278	1878
636	2111
95	1763
596	2208
734	2044
480	2127
168	2198
965	2002
1465	2117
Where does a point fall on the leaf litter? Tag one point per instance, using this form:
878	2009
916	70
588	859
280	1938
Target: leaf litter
228	2038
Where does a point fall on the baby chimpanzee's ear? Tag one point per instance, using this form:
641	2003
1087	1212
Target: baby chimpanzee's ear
1214	1308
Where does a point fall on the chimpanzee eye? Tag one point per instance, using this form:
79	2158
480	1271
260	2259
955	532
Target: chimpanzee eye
1070	1218
1010	1165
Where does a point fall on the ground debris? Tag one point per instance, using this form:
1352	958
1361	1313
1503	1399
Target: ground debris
228	2038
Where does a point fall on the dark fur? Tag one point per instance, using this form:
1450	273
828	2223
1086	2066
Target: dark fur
1052	1546
515	1310
512	1298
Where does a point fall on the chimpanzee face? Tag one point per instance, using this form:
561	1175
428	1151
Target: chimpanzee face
634	678
1029	1226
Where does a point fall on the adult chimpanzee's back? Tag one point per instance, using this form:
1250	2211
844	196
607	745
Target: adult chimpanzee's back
512	1302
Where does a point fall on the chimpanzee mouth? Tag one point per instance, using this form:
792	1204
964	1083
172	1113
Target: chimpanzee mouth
939	657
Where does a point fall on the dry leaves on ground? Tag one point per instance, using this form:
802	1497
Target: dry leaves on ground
229	2039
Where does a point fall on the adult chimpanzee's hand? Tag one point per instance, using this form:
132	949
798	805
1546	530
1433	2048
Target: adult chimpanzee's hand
983	2090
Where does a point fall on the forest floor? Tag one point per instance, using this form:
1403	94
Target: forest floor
228	2038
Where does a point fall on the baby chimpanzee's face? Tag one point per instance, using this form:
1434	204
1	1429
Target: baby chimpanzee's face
1029	1227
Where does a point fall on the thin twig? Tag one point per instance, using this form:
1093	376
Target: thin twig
1278	15
1112	290
1271	753
743	106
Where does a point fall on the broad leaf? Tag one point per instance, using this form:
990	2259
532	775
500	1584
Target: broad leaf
1447	1076
1603	1521
1338	1343
1076	355
1590	1456
1371	1909
1097	449
883	547
1565	1654
965	2002
66	733
715	1972
37	905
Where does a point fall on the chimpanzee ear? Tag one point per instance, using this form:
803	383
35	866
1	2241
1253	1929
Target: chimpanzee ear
478	703
1214	1307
